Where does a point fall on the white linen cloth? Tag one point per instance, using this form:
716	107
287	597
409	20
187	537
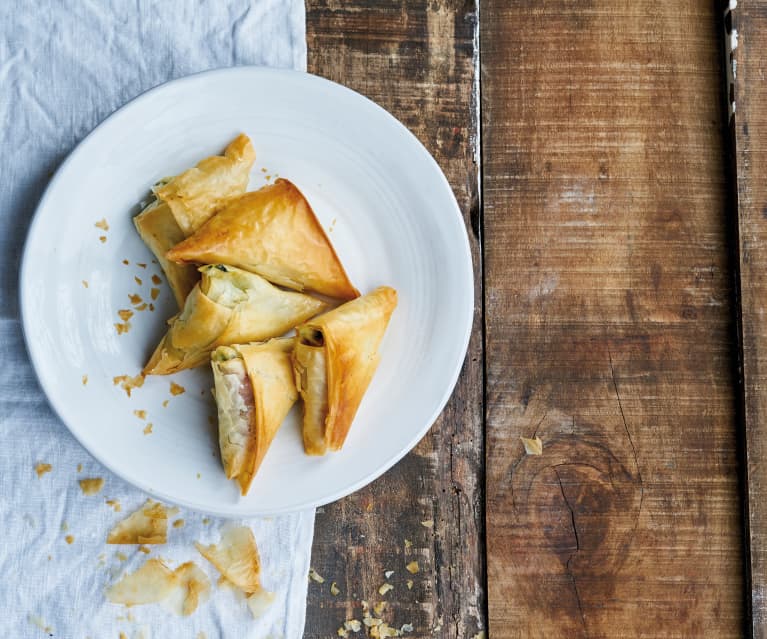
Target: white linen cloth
64	66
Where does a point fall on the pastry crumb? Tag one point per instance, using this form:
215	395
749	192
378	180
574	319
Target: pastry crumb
334	590
165	403
69	539
148	429
102	224
102	238
151	308
205	521
156	279
128	383
85	380
126	262
141	414
315	576
408	544
145	549
85	283
141	307
179	523
138	280
386	587
79	468
115	504
121	556
123	328
125	314
42	468
154	293
91	486
532	446
176	389
388	573
413	567
409	584
353	624
135	298
428	523
141	264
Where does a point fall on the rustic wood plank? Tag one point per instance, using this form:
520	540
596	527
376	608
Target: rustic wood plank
417	59
609	324
750	137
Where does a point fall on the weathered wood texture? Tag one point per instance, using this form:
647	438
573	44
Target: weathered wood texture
750	21
415	58
609	322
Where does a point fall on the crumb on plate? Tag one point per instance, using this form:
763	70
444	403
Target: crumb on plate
123	328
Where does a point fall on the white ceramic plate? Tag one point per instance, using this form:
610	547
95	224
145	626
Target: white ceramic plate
389	212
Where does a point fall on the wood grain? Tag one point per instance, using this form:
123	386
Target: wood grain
609	322
416	58
750	135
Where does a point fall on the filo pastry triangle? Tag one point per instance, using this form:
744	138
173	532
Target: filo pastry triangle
254	391
334	359
272	232
228	306
183	203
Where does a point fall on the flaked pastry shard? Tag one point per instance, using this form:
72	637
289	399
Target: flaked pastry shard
334	359
185	202
254	391
272	232
236	557
228	306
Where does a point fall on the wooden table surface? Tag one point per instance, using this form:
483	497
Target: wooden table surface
617	216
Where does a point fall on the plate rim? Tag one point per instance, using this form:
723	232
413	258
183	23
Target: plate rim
234	511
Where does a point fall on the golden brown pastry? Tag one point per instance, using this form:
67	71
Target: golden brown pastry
184	203
272	232
228	306
160	232
334	359
196	194
254	391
